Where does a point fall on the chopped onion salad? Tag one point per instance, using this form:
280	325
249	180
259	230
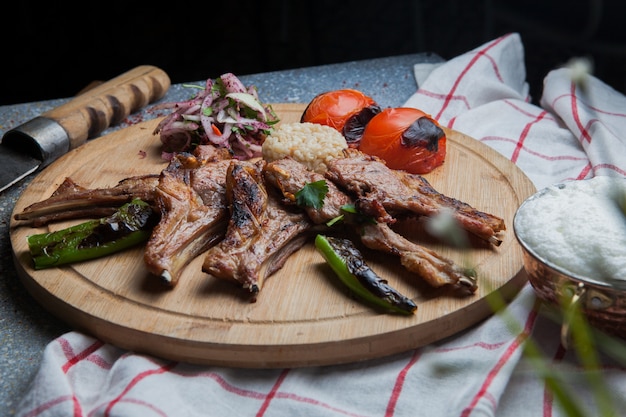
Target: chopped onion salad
225	113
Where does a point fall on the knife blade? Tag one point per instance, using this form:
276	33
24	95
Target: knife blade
33	145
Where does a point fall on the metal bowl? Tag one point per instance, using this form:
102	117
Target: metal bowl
602	302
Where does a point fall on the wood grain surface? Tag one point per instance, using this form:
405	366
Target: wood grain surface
303	315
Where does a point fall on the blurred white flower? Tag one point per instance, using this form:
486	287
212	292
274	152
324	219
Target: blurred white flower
444	226
580	69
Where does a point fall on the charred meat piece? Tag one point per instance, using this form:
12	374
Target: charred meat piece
432	267
72	201
289	176
385	193
190	197
261	232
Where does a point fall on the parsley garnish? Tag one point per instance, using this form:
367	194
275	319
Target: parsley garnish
312	194
352	215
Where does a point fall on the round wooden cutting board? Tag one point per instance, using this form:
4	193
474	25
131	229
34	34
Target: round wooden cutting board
303	315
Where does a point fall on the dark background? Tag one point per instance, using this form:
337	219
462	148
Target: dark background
53	51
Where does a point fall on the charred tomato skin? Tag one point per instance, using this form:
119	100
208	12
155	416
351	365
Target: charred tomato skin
405	138
346	110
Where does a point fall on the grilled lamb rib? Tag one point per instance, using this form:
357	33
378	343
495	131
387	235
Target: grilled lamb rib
433	268
289	176
385	193
191	199
261	233
72	201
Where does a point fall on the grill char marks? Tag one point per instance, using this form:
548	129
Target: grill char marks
244	214
192	203
384	193
261	232
72	201
289	176
433	268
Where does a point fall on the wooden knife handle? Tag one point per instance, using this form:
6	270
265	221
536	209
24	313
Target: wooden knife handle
109	103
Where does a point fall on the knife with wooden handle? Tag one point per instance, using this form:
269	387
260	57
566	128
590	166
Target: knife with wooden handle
40	141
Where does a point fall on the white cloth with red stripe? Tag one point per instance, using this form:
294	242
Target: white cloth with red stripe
479	372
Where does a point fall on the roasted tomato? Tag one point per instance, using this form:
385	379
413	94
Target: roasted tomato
405	138
346	110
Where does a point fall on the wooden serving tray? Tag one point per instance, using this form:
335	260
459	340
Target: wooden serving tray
303	316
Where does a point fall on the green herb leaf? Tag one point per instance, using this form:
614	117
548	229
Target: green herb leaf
352	215
349	208
312	194
335	220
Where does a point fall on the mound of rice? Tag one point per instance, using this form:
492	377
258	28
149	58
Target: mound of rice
309	143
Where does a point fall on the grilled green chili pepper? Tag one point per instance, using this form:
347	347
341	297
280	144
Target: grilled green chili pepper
347	262
129	226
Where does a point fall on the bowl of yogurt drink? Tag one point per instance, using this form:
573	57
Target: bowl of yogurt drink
573	238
